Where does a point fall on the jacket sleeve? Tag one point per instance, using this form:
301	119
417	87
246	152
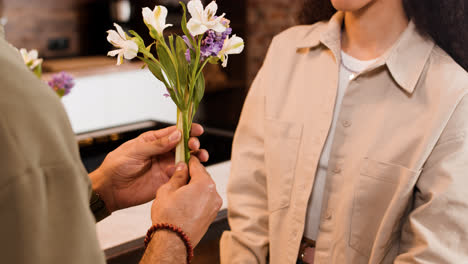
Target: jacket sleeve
437	228
247	242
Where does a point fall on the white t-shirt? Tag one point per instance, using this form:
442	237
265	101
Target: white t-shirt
349	68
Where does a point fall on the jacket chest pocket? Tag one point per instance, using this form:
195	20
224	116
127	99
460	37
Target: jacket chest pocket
381	198
282	140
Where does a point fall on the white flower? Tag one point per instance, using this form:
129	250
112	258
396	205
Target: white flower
128	49
156	18
31	58
233	45
204	19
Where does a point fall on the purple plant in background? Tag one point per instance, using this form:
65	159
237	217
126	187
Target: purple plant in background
62	83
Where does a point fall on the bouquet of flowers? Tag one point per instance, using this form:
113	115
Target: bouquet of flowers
178	61
61	83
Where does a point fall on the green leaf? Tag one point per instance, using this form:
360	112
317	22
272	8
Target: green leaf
38	71
138	40
171	43
153	33
156	70
198	93
183	24
174	97
60	93
183	71
165	59
135	34
213	60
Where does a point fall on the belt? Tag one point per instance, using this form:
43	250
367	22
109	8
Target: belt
306	251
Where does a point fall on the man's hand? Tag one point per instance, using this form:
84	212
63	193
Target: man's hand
131	174
193	206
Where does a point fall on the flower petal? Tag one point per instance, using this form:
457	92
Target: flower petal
114	38
148	16
35	63
25	55
196	27
167	25
130	49
120	59
195	8
235	45
121	31
225	61
218	26
113	53
33	54
160	14
210	10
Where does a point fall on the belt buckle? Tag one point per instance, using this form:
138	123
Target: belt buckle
305	243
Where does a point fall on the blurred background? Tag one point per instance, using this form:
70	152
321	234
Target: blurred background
71	35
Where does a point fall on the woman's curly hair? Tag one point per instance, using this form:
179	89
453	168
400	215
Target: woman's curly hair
445	21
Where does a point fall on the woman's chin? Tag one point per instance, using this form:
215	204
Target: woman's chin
350	5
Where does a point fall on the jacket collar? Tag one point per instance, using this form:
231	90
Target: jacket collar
405	60
328	34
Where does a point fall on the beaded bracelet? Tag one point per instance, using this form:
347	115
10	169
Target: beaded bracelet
174	229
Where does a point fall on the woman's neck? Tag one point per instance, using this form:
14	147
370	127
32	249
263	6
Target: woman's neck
373	29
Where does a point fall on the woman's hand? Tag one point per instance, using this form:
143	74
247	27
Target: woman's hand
131	174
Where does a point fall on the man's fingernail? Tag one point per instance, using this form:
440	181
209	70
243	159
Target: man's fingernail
180	166
175	136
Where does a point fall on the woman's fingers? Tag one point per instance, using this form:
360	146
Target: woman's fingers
197	130
194	144
201	154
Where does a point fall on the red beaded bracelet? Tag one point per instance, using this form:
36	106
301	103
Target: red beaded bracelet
174	229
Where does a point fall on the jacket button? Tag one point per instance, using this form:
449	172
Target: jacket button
328	215
337	170
346	123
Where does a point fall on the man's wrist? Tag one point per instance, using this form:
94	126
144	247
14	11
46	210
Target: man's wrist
165	247
102	186
98	207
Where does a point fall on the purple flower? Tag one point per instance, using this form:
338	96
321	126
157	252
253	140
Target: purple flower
188	56
189	45
62	83
167	93
212	43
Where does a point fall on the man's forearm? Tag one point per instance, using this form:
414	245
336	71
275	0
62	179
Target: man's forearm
165	248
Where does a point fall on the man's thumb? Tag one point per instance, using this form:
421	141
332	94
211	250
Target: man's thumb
150	146
179	178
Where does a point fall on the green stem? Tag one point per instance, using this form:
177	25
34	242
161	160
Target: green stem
187	126
182	150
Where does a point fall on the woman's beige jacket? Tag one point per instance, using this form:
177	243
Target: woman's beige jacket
397	187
